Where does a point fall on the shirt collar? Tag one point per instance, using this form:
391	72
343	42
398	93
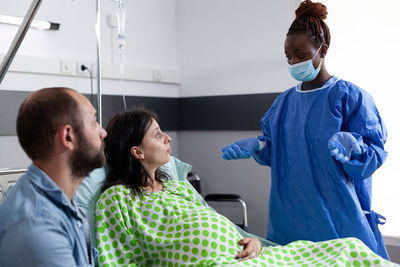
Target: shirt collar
51	189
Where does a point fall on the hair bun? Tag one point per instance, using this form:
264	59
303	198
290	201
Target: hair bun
311	9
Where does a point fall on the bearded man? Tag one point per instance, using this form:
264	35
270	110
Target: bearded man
41	225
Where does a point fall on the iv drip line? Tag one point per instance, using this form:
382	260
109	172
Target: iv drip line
121	45
121	71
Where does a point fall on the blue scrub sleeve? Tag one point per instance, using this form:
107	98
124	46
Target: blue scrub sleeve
263	157
365	120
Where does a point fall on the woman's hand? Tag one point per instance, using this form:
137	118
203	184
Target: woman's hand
252	248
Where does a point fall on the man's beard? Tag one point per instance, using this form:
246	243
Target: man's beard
86	158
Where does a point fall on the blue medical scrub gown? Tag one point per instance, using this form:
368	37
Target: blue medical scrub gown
313	196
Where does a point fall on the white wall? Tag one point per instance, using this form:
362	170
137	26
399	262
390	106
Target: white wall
233	46
11	154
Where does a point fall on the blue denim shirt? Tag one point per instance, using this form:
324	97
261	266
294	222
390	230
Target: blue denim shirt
40	226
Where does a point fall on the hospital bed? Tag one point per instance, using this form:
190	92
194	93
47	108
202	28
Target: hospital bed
8	177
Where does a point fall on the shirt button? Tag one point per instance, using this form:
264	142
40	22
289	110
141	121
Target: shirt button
79	224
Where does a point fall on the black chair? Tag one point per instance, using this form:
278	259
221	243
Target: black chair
194	180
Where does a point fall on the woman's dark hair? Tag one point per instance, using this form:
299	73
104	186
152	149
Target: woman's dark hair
310	20
124	131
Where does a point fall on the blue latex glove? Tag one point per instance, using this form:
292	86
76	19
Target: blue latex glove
242	149
344	144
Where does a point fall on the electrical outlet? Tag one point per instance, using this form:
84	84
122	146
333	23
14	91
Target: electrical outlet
67	67
81	72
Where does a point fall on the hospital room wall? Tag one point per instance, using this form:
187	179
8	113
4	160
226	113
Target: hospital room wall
149	24
38	61
230	48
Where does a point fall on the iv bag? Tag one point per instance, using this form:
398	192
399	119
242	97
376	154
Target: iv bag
121	26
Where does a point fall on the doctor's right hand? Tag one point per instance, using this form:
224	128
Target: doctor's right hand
241	149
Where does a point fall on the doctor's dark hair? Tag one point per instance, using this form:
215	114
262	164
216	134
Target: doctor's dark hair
39	117
124	131
310	21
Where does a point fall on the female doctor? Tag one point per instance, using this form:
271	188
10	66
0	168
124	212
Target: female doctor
323	139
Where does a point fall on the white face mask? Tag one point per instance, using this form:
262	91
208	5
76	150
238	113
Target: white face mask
304	71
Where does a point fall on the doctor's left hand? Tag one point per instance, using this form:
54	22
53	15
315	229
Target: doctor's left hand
252	248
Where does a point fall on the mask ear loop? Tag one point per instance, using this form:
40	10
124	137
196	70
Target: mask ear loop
316	52
320	62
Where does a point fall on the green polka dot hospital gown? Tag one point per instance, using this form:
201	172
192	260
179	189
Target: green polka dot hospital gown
172	228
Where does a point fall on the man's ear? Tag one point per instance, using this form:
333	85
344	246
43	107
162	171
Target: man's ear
67	136
137	152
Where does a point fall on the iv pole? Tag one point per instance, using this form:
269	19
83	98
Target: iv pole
98	57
